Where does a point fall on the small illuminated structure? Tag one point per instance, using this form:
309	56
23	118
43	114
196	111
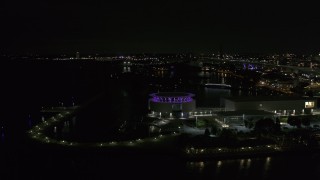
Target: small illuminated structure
171	104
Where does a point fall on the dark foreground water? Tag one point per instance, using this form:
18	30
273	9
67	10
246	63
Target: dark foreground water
27	86
42	163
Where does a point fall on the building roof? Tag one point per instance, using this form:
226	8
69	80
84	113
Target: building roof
245	112
266	98
172	94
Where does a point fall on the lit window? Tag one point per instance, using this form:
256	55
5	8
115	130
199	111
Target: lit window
309	104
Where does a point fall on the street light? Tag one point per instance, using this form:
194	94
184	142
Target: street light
196	121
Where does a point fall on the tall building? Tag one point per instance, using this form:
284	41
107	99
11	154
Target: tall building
77	55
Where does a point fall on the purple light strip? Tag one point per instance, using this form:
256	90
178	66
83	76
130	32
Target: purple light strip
174	99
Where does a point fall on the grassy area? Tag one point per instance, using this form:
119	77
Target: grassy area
283	119
206	122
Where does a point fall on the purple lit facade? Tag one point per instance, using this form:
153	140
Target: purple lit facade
158	97
170	103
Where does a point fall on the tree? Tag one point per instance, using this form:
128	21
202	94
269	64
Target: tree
214	130
277	125
305	121
265	125
294	121
227	134
249	123
207	132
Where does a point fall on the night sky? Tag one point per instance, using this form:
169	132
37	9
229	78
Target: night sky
159	26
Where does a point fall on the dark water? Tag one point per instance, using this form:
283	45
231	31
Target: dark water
291	167
27	86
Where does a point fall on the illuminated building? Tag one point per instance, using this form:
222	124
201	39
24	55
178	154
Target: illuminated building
238	117
279	105
171	104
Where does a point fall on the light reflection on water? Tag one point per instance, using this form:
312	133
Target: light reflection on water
267	163
238	168
284	167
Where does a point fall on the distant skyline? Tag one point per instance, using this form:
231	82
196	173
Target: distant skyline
159	27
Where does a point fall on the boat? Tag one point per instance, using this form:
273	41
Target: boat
217	86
